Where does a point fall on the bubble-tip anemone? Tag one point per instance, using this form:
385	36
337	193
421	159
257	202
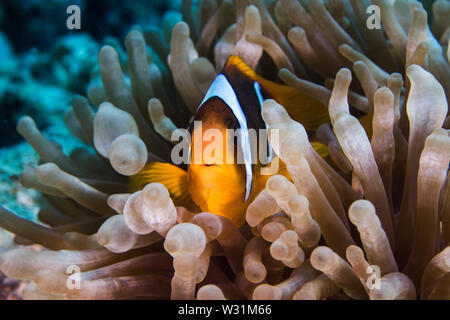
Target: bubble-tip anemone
380	200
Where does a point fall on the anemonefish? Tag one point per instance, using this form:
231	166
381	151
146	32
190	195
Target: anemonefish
234	100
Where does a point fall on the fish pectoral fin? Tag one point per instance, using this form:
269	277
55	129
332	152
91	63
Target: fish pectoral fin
265	172
284	171
320	148
172	177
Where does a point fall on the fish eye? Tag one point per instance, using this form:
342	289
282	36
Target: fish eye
230	123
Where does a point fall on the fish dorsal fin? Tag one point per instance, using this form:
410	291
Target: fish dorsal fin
248	91
172	177
302	108
236	62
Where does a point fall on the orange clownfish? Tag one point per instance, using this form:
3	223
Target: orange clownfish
233	101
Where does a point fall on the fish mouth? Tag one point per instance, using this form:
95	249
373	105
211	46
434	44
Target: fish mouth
209	165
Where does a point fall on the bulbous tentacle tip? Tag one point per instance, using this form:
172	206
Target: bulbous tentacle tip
272	112
108	55
128	154
25	124
181	29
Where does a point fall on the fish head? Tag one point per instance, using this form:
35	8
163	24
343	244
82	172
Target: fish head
213	142
216	180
